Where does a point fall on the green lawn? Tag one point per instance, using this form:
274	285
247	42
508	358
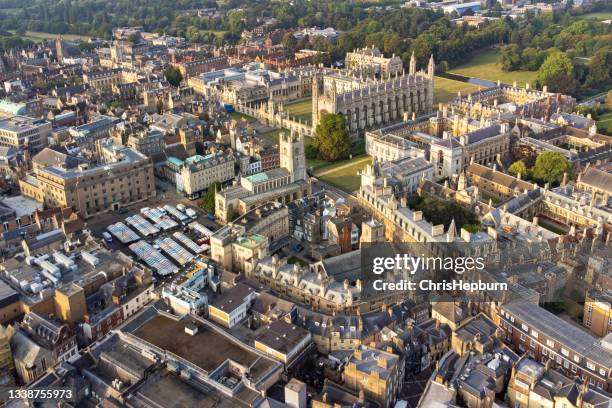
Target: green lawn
600	15
295	260
316	164
238	116
605	122
344	174
557	229
446	89
486	196
272	136
300	110
219	33
485	65
40	36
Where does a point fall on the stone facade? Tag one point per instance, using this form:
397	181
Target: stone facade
370	102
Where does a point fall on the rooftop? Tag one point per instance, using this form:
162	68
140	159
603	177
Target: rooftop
22	205
282	336
20	123
233	298
564	332
208	349
368	360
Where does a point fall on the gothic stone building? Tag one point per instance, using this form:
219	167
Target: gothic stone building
368	102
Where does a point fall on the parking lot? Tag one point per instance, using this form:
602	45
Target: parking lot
165	195
155	240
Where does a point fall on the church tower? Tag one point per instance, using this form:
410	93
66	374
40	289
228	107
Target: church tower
188	139
292	155
59	49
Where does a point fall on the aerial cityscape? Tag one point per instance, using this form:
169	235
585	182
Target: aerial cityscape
306	203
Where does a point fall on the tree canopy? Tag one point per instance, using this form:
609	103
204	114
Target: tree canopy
557	72
550	166
332	138
173	75
208	201
518	167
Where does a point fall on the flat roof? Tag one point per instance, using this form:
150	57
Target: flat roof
207	349
20	123
168	390
22	205
233	298
282	336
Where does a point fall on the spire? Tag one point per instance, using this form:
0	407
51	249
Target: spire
412	64
431	68
452	232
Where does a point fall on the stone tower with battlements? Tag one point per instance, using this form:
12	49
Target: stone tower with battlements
292	155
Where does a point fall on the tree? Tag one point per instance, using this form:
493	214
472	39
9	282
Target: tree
532	59
557	72
550	166
518	167
208	201
40	86
290	42
332	137
600	69
510	57
173	75
134	38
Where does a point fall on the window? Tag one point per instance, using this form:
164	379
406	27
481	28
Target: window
590	365
524	327
550	343
564	352
534	334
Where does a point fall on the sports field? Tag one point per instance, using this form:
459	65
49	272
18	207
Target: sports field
446	89
38	36
485	65
600	15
